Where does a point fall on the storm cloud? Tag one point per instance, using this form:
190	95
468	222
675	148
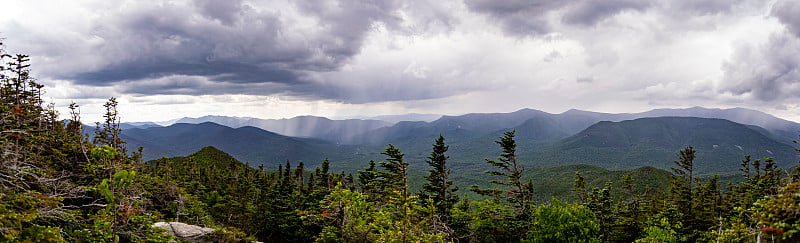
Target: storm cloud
531	18
450	57
227	42
769	71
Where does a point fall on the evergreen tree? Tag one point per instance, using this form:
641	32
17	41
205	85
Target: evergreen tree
299	177
393	178
367	178
325	177
579	187
519	193
393	184
439	187
682	180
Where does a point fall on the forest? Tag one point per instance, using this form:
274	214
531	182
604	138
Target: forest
60	184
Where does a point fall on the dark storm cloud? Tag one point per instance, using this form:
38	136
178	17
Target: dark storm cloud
226	41
588	13
525	18
519	17
194	85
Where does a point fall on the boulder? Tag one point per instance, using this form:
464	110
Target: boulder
185	232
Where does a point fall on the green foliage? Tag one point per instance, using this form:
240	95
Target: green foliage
367	178
662	231
780	214
229	235
554	222
493	222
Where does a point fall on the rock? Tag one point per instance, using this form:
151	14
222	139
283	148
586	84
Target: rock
184	232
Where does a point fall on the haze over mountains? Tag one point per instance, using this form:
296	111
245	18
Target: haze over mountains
612	141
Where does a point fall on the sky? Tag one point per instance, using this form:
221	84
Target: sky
279	59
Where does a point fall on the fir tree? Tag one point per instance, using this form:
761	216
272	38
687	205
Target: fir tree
682	180
366	178
519	193
439	187
393	184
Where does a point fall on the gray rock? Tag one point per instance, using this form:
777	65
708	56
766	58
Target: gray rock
185	232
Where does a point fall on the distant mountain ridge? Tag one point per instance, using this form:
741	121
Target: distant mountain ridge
377	131
542	143
406	117
544	139
781	128
301	126
570	122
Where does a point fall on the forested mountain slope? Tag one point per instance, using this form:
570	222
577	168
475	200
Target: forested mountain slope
720	145
784	130
250	144
543	142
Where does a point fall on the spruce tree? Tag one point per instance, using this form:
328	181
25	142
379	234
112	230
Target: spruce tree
366	178
518	193
439	187
393	185
393	179
682	180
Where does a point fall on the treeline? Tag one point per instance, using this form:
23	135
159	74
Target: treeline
60	185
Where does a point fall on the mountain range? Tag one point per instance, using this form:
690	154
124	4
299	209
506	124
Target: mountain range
612	141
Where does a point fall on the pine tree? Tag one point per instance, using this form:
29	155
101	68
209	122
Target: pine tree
393	179
324	176
683	179
579	187
299	177
366	178
393	184
519	194
439	187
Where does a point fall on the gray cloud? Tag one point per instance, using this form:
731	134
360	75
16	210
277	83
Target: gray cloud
589	79
230	42
768	72
529	18
589	12
552	56
225	11
519	17
198	85
705	7
370	51
788	12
